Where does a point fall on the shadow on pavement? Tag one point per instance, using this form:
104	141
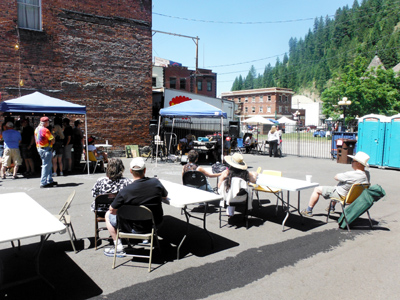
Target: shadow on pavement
69	280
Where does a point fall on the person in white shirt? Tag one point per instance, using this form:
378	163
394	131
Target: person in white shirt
273	140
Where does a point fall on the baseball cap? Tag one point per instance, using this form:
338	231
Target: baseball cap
137	164
10	125
44	119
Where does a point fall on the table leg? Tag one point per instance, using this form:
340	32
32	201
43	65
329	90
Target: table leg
287	211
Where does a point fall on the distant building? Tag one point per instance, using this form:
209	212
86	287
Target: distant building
312	110
266	102
172	75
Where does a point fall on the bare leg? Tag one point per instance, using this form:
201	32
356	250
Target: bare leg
111	229
315	197
15	170
31	166
60	163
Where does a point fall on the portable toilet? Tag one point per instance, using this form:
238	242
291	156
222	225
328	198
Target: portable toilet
371	137
391	157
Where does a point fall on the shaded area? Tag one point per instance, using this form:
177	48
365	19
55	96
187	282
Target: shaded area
234	272
69	280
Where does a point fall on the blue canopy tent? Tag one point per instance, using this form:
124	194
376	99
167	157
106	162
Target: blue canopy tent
194	109
38	103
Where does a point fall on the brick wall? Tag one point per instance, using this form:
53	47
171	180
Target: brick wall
93	53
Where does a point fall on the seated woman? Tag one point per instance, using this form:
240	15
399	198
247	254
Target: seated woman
193	156
113	182
93	149
237	168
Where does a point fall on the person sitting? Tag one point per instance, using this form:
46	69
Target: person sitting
193	157
346	180
250	143
113	182
91	147
186	144
142	191
237	168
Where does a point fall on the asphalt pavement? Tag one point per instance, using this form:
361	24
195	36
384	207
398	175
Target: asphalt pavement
309	260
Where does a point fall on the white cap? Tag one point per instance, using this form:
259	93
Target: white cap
137	164
10	125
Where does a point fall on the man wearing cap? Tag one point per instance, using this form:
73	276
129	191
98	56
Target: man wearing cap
346	180
11	138
44	140
142	191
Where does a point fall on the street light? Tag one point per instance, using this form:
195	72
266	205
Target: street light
344	102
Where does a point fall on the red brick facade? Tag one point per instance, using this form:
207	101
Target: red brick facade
93	53
266	102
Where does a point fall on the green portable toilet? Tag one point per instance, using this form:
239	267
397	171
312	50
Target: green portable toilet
391	157
371	137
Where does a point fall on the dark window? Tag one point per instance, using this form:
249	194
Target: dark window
154	81
199	85
182	84
172	82
209	86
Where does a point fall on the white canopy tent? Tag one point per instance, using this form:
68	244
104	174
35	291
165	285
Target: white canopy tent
287	121
256	120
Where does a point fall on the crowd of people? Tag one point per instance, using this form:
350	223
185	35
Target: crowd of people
21	145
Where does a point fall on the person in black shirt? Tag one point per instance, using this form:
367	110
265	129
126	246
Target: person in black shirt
77	140
27	146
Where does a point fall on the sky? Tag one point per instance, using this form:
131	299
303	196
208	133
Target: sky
233	35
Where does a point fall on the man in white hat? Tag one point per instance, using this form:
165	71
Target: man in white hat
346	180
142	191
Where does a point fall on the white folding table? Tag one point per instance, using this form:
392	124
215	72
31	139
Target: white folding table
180	196
288	184
21	217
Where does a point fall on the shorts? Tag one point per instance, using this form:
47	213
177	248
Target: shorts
1	150
67	151
330	192
25	152
139	227
11	155
58	148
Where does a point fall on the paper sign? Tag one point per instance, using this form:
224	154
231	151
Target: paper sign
132	151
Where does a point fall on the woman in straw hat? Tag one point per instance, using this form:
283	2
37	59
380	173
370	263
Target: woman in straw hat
237	168
346	180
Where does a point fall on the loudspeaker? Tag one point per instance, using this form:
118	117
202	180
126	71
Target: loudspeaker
153	127
234	128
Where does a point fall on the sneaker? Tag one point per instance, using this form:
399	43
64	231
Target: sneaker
15	177
61	174
306	213
331	208
110	252
145	242
54	174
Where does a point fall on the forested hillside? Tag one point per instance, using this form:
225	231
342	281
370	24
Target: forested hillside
367	28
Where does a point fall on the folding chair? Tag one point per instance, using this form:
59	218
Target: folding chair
355	191
129	214
101	205
240	194
239	146
65	218
195	179
93	159
266	189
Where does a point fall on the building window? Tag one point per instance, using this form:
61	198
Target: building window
30	14
246	109
246	99
182	83
199	85
269	98
269	108
154	81
280	98
280	109
209	86
172	82
261	99
286	109
253	100
239	100
261	109
286	98
253	109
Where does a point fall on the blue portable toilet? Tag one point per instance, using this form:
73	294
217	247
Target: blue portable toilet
371	137
391	157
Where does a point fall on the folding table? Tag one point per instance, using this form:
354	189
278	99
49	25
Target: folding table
180	196
21	217
288	184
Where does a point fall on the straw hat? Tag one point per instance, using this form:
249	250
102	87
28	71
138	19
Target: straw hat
361	157
236	161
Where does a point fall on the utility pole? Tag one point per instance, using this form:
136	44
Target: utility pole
196	41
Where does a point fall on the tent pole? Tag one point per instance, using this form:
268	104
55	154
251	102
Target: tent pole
222	139
87	152
170	138
158	134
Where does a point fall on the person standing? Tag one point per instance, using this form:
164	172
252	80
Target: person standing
58	147
77	140
27	146
273	140
68	132
11	138
44	141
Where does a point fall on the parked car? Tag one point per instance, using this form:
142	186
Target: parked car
319	133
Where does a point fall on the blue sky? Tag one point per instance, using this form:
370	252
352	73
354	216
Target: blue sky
226	46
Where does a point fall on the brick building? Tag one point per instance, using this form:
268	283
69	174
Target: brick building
266	102
181	78
92	53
